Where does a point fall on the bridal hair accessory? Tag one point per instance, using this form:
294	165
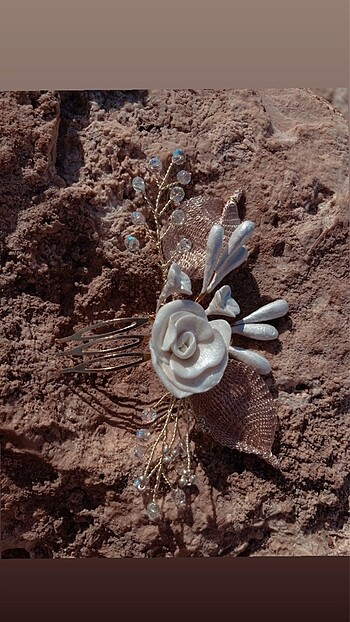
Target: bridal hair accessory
208	381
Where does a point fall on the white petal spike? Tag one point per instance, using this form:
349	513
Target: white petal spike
233	262
251	358
262	332
240	236
271	311
223	304
237	239
214	247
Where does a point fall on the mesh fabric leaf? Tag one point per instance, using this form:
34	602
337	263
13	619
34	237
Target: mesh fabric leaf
201	213
239	412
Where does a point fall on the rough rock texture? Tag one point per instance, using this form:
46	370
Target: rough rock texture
339	98
66	163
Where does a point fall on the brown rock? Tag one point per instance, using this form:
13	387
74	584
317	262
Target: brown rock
66	163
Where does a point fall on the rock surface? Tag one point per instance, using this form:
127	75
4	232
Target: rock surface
66	163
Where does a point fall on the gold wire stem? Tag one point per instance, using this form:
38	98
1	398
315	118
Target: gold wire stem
162	185
166	479
155	444
158	476
161	399
165	207
187	440
175	430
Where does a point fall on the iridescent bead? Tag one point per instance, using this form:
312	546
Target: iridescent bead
143	435
179	497
178	156
137	218
178	217
138	184
132	243
149	415
155	165
184	246
140	483
153	510
177	194
183	177
139	451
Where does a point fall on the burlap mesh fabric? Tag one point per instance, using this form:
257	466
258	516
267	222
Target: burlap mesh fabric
239	412
201	213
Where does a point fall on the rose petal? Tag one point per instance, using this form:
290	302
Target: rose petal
208	355
224	329
200	327
186	346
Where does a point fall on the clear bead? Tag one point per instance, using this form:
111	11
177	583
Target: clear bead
184	246
138	184
149	415
178	217
139	451
132	243
137	218
177	194
179	497
155	165
184	177
143	435
153	510
178	156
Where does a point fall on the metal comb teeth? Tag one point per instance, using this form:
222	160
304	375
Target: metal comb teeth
96	355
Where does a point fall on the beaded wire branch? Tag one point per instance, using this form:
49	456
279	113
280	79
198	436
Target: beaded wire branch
208	380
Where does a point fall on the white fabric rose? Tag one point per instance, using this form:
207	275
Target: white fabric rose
189	353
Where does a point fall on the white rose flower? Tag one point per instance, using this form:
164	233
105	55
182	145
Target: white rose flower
189	353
